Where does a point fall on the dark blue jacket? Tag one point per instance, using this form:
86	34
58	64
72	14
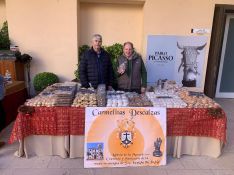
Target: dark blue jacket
95	69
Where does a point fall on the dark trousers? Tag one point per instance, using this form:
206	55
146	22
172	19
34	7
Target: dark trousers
2	116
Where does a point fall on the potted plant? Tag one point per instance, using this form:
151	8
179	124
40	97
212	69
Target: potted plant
44	79
4	37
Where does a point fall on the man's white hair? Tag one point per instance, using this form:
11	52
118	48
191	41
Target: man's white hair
97	36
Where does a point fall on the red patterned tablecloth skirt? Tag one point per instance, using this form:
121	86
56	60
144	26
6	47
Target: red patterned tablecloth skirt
59	121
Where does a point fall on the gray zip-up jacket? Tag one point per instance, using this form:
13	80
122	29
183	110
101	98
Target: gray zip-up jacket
135	75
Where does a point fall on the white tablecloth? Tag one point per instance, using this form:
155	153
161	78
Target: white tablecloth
43	145
73	146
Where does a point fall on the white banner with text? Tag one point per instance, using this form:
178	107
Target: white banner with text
120	137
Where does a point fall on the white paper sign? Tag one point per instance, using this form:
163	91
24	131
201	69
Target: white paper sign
120	137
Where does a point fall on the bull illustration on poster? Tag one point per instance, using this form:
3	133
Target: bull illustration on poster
189	63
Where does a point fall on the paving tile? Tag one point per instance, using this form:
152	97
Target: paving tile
55	162
230	117
101	171
190	172
34	162
129	171
73	163
58	162
230	125
172	163
188	162
13	146
42	171
6	171
223	172
229	146
42	162
227	104
81	172
225	161
155	170
6	157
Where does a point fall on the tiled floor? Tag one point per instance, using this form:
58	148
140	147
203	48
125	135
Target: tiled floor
194	165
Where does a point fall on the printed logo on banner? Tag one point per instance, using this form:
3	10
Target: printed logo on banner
157	144
126	132
161	57
95	151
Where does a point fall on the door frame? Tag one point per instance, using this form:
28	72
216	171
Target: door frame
216	42
220	72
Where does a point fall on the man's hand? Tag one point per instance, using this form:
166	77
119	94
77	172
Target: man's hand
120	70
143	90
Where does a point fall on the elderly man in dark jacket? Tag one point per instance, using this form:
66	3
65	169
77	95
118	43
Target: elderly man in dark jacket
95	66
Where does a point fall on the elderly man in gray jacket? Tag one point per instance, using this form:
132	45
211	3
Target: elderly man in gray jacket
2	113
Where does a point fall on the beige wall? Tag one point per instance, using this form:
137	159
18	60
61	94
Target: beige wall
154	17
231	2
178	17
2	12
78	27
117	23
47	30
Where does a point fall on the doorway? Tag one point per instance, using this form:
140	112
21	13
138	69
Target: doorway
225	83
217	49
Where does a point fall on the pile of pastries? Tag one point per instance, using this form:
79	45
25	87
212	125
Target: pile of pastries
117	99
41	101
171	96
138	100
63	98
85	100
197	100
172	101
58	94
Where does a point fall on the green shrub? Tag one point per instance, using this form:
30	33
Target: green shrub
44	79
4	37
82	49
115	51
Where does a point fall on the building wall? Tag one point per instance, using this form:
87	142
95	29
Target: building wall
2	12
47	30
117	23
178	17
230	2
